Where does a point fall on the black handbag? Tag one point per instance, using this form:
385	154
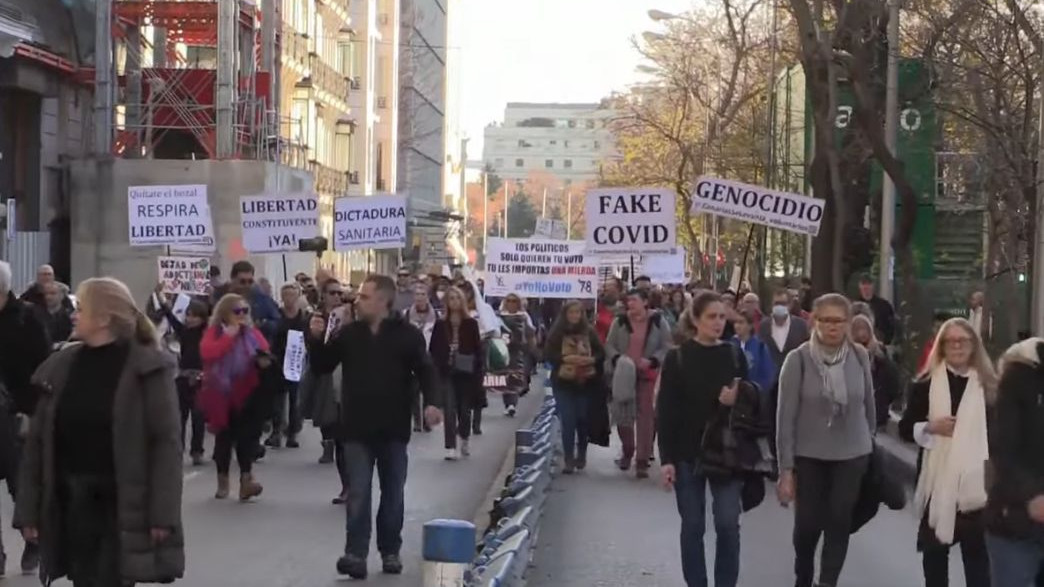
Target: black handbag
463	363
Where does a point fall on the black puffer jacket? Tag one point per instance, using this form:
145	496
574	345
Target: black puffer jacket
24	344
1016	473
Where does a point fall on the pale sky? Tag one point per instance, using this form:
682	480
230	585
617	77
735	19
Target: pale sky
546	51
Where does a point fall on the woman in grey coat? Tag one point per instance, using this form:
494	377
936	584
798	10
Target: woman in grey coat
101	480
825	424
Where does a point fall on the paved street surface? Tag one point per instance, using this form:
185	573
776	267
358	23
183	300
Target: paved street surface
607	529
292	535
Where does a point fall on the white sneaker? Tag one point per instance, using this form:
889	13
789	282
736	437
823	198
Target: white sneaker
465	447
510	411
451	454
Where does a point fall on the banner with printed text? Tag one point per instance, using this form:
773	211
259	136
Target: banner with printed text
370	222
184	275
757	204
631	221
169	215
539	269
274	223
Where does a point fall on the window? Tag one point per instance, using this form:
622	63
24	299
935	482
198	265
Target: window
565	144
598	144
552	142
519	163
590	124
549	163
572	124
568	163
521	142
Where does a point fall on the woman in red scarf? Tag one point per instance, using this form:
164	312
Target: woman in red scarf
233	352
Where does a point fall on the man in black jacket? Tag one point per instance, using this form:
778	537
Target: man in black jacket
382	357
884	314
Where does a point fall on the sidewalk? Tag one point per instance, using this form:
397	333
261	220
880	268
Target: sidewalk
604	528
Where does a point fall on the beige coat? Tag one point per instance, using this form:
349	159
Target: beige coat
147	445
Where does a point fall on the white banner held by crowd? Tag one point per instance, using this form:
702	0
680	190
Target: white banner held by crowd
293	358
664	269
274	223
539	269
169	215
370	222
757	204
630	220
184	275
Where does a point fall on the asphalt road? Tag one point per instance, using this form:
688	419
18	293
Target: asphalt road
292	535
604	528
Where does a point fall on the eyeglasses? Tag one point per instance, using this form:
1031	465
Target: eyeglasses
241	311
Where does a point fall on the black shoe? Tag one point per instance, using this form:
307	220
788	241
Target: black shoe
353	566
274	441
342	498
476	430
261	452
30	558
328	453
391	564
291	442
3	565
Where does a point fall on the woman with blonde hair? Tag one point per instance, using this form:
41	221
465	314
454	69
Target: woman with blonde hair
946	415
101	480
456	350
234	353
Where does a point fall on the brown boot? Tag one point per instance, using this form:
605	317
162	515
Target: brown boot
222	490
248	487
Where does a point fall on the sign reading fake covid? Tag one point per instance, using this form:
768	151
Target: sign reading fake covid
370	222
274	223
539	268
631	221
169	215
757	204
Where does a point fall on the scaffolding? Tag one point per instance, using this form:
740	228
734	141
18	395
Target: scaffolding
192	80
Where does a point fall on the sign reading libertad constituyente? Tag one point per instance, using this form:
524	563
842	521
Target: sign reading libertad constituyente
630	220
757	204
274	223
169	215
370	222
539	269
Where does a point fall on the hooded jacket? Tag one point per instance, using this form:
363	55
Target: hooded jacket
1016	469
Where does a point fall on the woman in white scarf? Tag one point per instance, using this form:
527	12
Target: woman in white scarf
946	415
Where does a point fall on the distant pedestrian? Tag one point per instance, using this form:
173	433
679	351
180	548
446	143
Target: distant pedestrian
381	356
456	351
101	481
825	423
189	331
887	385
403	290
286	419
56	313
884	314
760	366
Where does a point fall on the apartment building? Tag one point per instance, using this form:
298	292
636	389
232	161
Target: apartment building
567	141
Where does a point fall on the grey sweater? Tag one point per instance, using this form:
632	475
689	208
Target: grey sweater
804	427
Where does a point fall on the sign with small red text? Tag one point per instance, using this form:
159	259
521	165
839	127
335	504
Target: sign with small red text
184	275
540	269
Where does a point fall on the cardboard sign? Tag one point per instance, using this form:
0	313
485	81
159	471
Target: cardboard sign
169	215
550	228
632	221
184	275
664	269
274	223
293	358
539	269
752	203
371	222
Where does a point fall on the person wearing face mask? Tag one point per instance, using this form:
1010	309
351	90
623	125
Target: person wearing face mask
825	423
946	415
780	331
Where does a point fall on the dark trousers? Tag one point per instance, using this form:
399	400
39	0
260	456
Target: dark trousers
391	461
1015	563
459	409
330	434
287	416
242	434
826	494
189	412
690	490
90	530
969	532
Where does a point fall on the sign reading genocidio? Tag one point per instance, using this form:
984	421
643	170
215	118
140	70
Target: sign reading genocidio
539	268
630	221
274	223
169	215
752	203
373	222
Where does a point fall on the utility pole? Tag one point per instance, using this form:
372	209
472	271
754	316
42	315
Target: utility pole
1037	291
103	92
885	263
464	188
485	211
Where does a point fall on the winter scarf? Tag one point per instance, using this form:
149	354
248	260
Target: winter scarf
832	370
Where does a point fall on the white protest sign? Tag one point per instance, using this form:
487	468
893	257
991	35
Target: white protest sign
293	358
184	275
550	228
630	220
274	223
169	215
664	269
370	222
539	268
752	203
180	307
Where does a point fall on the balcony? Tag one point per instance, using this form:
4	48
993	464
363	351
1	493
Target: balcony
328	179
380	184
353	178
355	83
327	78
295	44
382	102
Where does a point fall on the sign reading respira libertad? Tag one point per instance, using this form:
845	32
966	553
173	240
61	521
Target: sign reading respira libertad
539	268
169	215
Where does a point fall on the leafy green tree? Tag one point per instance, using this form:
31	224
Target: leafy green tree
521	216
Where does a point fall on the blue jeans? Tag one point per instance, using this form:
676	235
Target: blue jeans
391	462
1013	563
690	489
571	407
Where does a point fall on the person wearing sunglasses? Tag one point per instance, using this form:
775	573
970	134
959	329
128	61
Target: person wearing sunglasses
263	309
234	354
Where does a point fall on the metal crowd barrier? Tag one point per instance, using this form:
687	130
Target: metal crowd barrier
505	550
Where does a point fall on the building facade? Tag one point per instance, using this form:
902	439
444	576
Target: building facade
566	141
